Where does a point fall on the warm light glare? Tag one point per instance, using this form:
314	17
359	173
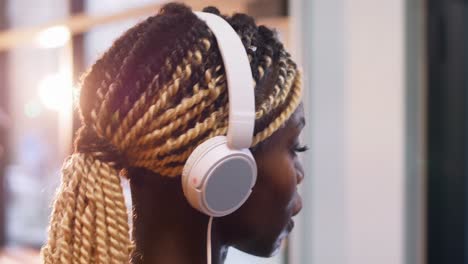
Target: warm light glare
54	37
32	109
56	92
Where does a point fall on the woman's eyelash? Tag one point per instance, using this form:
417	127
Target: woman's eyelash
301	148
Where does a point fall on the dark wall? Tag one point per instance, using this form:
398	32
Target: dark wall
447	131
3	130
77	7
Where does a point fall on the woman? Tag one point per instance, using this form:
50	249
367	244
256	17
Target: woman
155	95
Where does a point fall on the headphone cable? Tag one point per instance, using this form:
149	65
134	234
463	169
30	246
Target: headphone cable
208	240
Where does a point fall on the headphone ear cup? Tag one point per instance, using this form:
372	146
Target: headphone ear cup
197	153
217	180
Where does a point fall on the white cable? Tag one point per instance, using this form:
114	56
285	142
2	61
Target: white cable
208	240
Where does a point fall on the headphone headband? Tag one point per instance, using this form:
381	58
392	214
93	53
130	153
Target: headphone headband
240	89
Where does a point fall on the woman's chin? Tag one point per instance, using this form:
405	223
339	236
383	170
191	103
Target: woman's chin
277	249
263	250
268	247
279	243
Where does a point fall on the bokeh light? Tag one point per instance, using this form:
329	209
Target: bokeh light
54	37
56	92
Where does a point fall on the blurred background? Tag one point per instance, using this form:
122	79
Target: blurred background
387	120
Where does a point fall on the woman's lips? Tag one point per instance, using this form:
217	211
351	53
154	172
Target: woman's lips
290	225
297	206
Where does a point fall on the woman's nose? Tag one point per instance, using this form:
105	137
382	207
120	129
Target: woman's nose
299	172
299	175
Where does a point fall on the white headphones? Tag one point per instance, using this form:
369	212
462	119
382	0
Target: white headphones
219	174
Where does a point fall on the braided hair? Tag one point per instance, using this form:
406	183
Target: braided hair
155	95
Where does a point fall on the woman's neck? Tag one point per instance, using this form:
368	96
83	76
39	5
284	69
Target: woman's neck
167	230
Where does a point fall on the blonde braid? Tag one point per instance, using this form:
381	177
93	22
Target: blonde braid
153	110
215	87
281	90
78	226
285	114
192	57
116	222
94	188
62	217
142	103
88	220
84	222
102	241
49	253
148	157
181	114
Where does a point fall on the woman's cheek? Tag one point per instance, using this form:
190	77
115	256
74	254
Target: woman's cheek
285	182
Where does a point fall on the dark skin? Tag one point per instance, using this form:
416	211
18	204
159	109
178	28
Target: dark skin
168	230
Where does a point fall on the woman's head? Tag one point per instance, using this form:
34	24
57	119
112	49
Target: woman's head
154	96
265	219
